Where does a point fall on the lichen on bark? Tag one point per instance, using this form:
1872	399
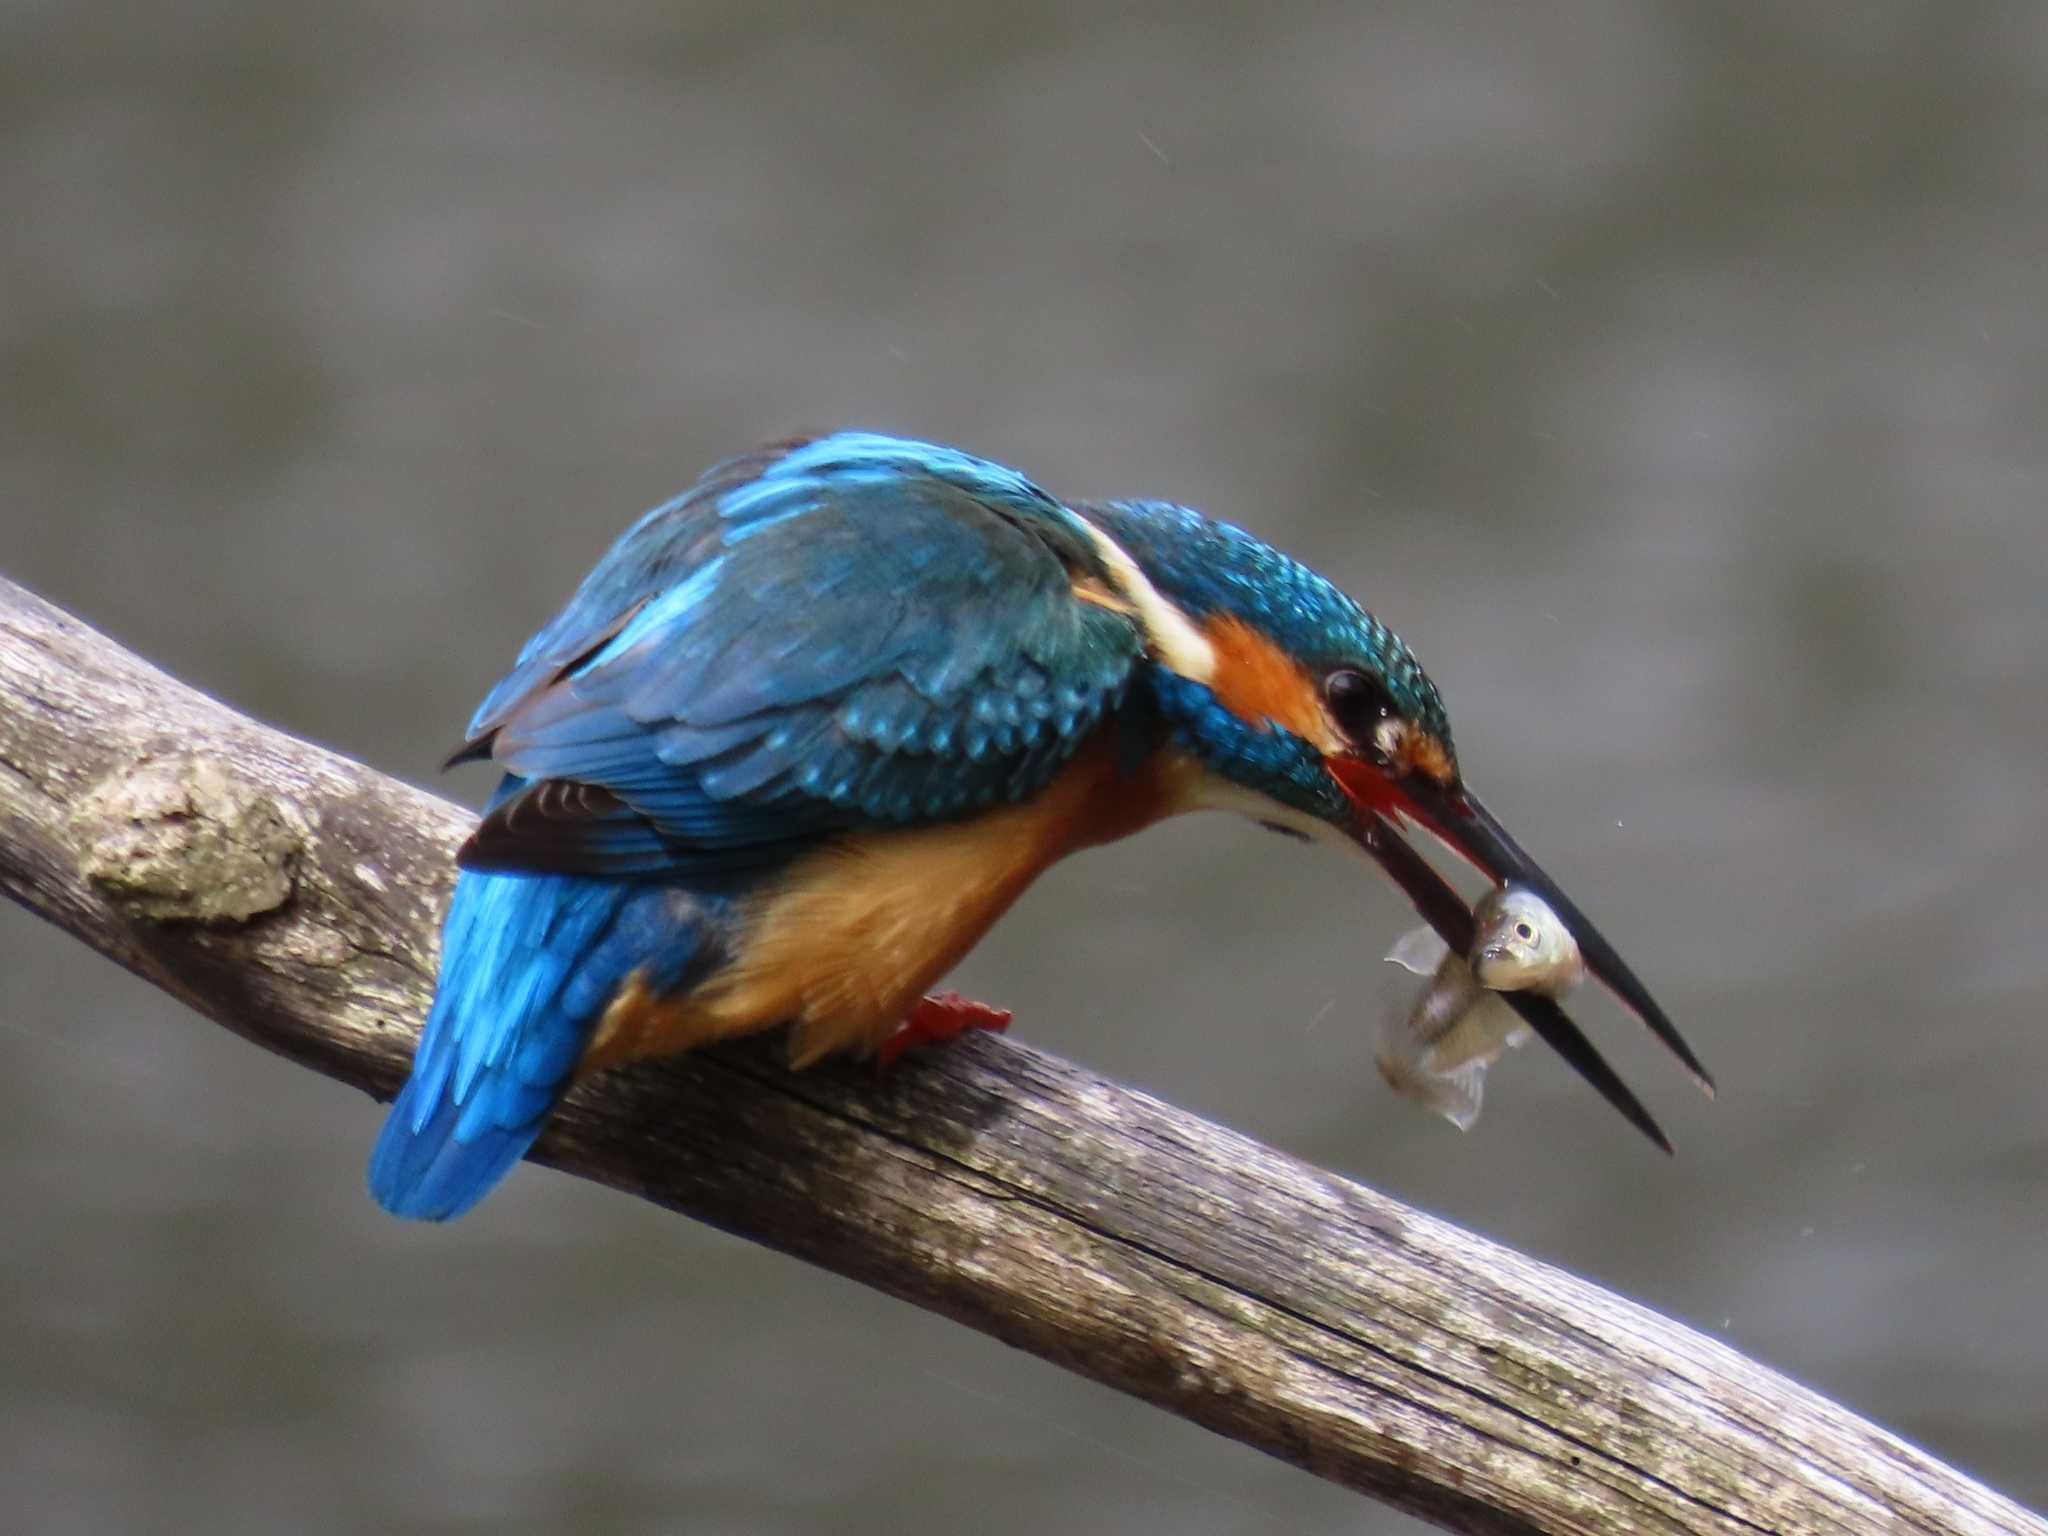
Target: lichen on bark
177	839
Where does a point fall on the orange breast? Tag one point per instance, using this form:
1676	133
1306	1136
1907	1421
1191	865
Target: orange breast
842	943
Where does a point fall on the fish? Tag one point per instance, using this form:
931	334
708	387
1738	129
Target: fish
1436	1053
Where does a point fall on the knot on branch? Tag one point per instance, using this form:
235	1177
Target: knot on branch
179	839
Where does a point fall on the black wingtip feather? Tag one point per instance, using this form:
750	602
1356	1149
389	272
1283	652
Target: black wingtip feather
472	751
548	827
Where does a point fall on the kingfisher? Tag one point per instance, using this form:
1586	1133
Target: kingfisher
807	731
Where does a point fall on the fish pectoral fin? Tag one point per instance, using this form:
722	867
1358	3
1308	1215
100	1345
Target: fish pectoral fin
1420	950
1491	1019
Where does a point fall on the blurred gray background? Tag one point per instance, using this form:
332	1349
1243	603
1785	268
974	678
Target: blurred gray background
1673	378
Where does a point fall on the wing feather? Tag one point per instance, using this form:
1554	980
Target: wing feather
851	630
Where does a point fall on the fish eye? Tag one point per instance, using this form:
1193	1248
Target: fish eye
1525	933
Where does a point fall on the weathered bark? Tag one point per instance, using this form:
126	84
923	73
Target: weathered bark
293	896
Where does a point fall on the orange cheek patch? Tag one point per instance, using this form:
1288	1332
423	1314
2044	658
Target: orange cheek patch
1258	681
1423	753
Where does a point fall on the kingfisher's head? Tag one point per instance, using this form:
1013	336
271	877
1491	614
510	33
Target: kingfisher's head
1313	717
1283	686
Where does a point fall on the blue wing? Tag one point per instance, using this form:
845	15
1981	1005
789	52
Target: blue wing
856	629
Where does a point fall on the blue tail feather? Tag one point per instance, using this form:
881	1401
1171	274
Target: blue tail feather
528	963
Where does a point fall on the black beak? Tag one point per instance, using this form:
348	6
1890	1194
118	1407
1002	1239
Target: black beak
1457	817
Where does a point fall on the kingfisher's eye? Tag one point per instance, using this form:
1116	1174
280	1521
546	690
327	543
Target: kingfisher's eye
1358	703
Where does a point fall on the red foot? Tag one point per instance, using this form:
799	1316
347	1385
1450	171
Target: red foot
939	1018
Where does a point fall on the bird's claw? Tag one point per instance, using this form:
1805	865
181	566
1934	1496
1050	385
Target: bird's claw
938	1018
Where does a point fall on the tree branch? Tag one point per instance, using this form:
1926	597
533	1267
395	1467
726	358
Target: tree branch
294	896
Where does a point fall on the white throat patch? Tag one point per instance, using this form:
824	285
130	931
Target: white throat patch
1174	638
